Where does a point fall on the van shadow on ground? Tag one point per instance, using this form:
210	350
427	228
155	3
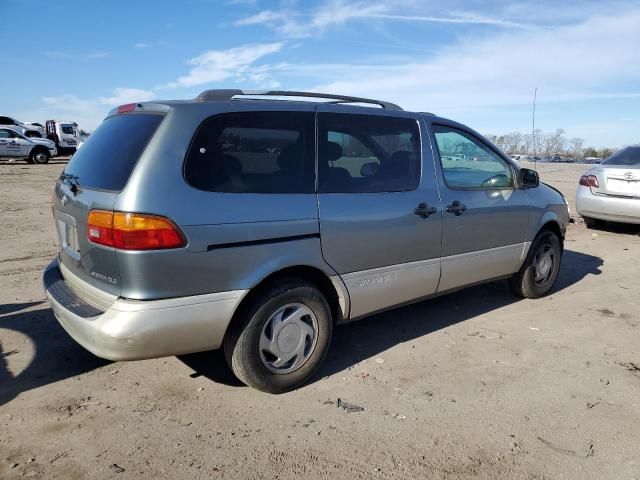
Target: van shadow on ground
355	342
56	355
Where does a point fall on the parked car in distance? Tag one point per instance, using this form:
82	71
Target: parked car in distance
592	160
31	149
611	190
28	130
245	224
65	134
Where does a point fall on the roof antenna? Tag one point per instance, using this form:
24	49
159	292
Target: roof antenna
533	129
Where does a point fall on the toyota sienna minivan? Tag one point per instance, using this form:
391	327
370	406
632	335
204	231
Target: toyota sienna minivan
257	221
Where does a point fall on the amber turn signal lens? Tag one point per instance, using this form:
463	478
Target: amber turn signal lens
133	231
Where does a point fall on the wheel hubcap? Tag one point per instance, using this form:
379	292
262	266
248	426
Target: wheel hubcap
40	157
543	264
288	338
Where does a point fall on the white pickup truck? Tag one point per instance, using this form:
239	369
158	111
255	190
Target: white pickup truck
26	129
32	149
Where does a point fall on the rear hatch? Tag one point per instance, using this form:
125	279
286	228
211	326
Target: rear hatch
91	181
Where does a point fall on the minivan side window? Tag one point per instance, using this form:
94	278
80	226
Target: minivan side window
469	163
367	153
253	152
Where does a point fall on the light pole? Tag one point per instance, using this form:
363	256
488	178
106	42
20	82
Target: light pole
533	128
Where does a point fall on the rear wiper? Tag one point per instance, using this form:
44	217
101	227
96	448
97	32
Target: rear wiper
72	181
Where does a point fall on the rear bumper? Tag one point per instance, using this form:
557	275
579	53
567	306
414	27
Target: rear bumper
603	207
135	330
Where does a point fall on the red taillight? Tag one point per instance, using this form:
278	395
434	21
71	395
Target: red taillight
129	107
589	181
133	231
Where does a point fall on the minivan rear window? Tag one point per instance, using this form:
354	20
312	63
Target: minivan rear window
107	158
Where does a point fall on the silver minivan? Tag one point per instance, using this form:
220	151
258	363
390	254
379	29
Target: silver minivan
257	221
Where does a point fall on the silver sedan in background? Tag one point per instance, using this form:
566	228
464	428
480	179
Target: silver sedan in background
611	190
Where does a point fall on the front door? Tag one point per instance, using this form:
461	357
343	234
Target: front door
13	145
4	140
485	215
380	215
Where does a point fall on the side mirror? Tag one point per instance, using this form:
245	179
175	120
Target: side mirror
529	178
369	169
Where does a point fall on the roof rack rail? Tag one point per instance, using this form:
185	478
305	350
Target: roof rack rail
229	94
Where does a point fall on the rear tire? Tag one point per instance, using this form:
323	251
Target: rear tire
540	269
39	156
293	316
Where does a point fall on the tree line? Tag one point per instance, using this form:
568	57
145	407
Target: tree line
547	144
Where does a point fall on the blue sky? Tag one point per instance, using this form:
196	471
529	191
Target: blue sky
477	62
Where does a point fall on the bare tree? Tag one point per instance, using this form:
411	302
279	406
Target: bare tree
492	138
554	143
513	143
536	142
576	145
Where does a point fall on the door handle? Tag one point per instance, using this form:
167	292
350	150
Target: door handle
456	208
424	211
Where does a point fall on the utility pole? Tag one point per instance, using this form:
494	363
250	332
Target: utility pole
533	128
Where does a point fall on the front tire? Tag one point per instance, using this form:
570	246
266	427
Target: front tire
39	156
540	269
281	337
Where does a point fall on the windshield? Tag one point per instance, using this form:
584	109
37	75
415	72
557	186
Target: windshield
68	129
629	157
109	155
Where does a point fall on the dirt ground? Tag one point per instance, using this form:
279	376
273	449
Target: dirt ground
477	384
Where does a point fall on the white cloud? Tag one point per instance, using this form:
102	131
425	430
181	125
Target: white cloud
58	54
127	95
234	63
566	63
465	18
292	23
141	45
69	103
88	112
96	55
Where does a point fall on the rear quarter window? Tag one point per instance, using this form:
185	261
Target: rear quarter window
110	154
253	152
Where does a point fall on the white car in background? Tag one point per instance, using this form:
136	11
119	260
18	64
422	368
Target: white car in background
33	150
611	190
27	129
